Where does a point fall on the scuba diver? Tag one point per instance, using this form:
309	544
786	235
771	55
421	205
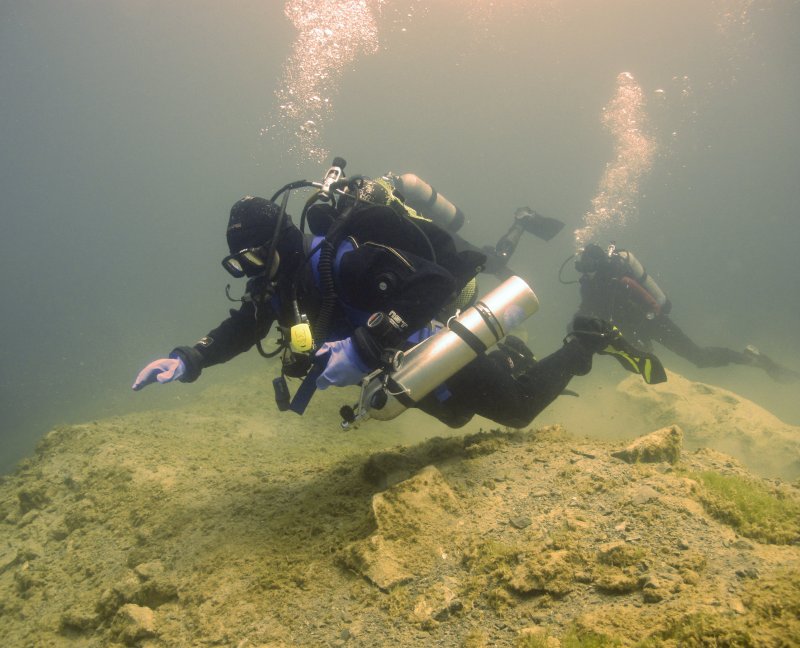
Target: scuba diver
615	287
378	296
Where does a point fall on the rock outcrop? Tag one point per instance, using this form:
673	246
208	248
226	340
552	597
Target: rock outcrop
662	445
712	417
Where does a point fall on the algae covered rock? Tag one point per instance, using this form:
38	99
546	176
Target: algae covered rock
415	518
662	445
133	622
550	573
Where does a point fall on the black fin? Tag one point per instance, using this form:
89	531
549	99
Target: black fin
543	227
777	372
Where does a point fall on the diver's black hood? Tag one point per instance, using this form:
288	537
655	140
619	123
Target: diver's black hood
591	259
252	223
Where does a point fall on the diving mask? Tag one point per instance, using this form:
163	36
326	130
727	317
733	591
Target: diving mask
250	262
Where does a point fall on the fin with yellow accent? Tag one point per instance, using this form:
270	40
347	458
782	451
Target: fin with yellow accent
600	336
634	359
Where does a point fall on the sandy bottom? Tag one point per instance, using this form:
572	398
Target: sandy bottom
221	522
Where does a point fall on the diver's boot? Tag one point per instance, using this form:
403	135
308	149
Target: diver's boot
537	379
518	356
775	371
604	338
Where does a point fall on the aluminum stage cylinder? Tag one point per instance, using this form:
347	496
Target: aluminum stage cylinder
431	362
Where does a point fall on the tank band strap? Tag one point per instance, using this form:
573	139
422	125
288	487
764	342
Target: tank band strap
488	317
432	200
468	336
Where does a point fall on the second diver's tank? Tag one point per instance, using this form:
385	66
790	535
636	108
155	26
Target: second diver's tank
638	272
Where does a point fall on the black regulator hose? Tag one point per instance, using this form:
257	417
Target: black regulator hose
297	184
326	255
328	290
277	235
561	269
304	214
425	239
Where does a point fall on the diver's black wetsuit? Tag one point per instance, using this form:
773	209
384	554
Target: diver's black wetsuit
493	386
373	275
604	296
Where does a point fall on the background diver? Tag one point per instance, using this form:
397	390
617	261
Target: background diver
371	277
615	287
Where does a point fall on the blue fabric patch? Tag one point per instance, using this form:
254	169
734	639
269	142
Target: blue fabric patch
423	334
442	393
